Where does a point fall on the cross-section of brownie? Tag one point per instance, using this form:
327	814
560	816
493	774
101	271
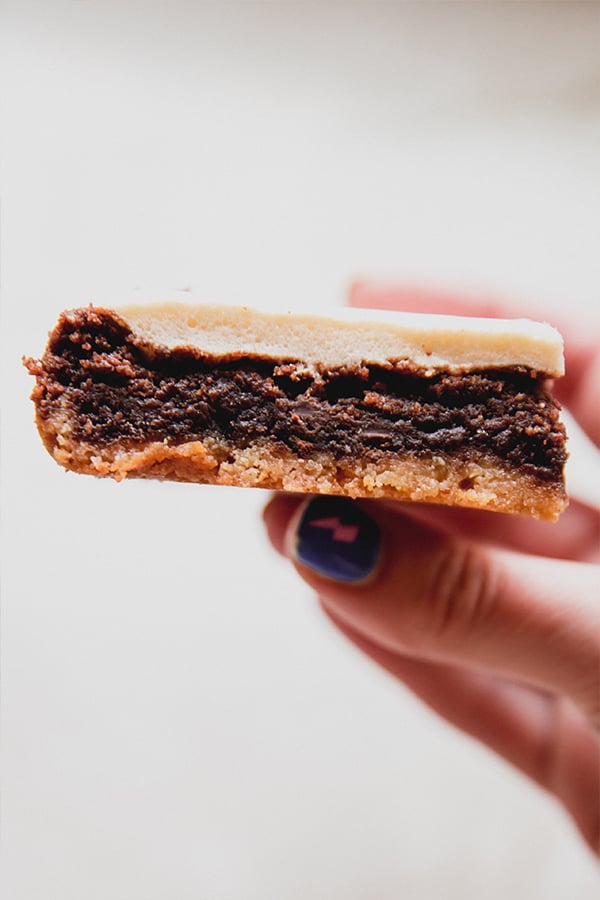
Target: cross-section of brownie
439	409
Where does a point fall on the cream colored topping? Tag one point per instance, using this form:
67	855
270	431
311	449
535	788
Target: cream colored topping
353	336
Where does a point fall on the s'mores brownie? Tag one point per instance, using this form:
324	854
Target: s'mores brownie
363	403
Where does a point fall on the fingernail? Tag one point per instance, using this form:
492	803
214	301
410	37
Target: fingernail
337	539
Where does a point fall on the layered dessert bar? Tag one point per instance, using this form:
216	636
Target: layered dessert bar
412	407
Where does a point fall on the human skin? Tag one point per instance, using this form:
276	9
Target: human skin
492	620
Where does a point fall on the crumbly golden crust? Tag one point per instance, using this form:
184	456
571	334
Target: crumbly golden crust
448	480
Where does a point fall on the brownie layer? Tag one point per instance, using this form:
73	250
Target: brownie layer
119	389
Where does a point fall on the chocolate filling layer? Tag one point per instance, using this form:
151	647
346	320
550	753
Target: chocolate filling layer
121	390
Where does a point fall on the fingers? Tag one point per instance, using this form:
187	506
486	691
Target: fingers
418	590
576	536
544	738
509	718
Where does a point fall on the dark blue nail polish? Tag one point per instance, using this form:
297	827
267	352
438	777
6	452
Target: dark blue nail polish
337	538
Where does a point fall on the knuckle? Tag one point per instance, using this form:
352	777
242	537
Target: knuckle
460	591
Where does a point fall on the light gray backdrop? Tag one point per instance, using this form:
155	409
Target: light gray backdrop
178	721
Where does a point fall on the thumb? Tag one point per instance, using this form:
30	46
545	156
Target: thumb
418	590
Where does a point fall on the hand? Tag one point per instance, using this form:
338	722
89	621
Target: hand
492	620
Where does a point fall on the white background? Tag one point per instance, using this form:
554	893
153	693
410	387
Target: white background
178	721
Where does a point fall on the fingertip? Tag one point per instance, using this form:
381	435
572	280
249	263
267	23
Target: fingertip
329	539
277	516
336	539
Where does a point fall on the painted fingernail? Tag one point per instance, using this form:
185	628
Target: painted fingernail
337	539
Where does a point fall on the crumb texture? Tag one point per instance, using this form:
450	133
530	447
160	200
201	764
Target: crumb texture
110	404
438	479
